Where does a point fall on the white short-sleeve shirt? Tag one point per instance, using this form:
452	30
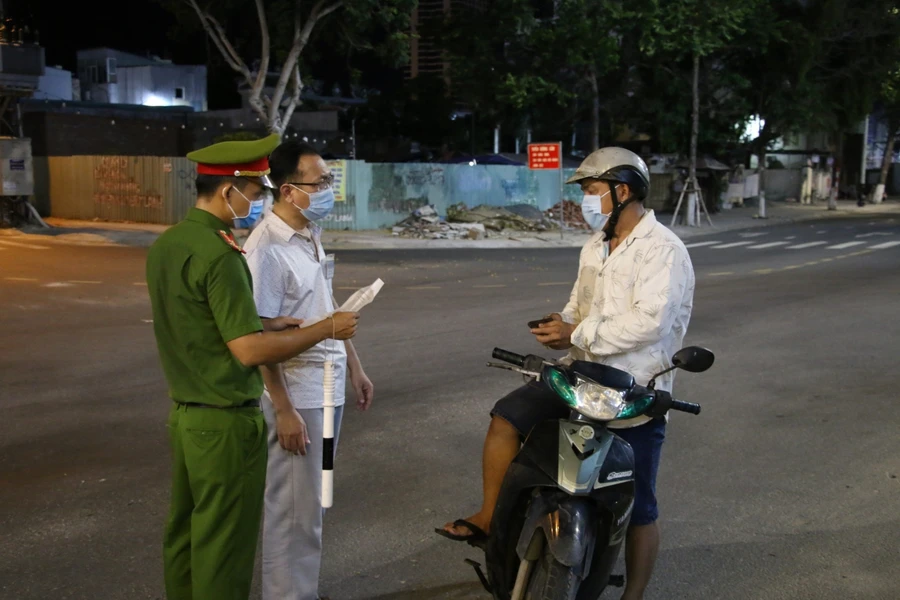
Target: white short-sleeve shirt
292	276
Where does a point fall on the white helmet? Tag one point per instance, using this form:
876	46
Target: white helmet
618	165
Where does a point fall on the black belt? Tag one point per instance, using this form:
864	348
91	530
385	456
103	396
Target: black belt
247	404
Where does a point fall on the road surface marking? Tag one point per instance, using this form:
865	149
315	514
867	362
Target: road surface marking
844	245
764	271
791	237
732	245
747	235
791	267
721	274
144	283
56	284
21	279
21	245
556	283
424	287
885	245
699	244
806	245
490	286
82	281
865	235
820	232
769	245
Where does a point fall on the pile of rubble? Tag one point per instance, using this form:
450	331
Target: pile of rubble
425	223
571	215
476	223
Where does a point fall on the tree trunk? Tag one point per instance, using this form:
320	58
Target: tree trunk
692	217
761	156
595	109
878	193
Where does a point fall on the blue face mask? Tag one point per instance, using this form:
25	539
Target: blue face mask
250	219
320	204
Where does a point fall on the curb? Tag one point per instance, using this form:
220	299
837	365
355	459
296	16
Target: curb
136	235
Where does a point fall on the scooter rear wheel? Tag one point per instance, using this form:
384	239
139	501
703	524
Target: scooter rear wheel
552	580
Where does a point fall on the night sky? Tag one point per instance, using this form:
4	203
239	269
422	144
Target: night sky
144	27
66	27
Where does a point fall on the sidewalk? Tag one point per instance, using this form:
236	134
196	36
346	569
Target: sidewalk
141	235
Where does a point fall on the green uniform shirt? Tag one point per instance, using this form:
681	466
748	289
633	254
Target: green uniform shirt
202	298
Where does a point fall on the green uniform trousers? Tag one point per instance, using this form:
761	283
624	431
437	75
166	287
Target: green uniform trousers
218	482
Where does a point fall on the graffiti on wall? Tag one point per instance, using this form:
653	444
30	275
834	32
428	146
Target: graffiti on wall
113	186
187	178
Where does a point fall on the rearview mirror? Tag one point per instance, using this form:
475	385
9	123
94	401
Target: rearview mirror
693	359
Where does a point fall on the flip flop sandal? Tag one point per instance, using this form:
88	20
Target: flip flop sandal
477	538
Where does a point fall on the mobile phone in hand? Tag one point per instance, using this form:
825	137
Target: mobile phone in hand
539	322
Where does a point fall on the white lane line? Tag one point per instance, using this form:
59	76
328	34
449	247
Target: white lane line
144	284
488	286
424	287
865	235
806	245
556	283
885	245
732	245
82	281
58	284
700	244
750	235
769	245
844	245
21	245
20	279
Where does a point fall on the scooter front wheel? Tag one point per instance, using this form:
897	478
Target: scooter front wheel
552	580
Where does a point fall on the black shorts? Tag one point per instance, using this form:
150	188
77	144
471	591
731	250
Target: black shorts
533	403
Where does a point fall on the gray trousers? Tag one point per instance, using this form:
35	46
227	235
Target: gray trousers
292	525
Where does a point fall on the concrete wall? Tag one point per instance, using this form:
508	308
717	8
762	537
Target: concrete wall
54	84
370	196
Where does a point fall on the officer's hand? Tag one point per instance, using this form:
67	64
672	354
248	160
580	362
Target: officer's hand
344	326
292	433
281	323
556	334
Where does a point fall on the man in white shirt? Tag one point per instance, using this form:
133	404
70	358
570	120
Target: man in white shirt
293	276
629	309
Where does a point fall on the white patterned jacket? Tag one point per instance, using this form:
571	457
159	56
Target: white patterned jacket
632	308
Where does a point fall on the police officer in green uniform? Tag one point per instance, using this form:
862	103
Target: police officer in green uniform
211	342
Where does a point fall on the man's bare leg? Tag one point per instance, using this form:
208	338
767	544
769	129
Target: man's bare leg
641	548
500	448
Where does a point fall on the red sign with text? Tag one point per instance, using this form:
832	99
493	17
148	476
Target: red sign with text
544	156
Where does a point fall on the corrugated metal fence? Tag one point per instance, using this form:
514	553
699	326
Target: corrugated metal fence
139	189
160	190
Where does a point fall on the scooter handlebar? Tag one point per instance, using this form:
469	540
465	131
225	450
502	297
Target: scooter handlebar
510	357
688	407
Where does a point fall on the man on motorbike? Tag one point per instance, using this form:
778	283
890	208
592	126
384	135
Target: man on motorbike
629	309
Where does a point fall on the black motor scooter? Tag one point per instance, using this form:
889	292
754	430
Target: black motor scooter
566	500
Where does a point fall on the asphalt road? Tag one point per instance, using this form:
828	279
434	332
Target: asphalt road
785	487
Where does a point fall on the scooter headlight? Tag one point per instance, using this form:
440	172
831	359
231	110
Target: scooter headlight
598	402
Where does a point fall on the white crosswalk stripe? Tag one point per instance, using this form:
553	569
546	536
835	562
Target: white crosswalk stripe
769	245
844	245
885	245
806	245
732	245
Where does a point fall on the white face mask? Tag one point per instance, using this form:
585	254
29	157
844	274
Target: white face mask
592	210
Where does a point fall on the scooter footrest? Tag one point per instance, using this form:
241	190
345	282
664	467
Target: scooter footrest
616	580
480	573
